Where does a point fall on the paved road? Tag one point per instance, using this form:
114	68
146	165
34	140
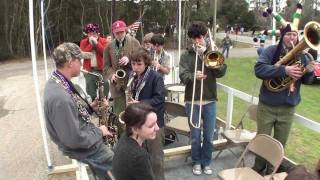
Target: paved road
244	39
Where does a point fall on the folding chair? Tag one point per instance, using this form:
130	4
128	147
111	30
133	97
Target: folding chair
239	136
177	119
263	145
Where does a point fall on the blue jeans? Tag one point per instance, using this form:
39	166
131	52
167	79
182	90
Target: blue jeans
100	162
226	48
202	155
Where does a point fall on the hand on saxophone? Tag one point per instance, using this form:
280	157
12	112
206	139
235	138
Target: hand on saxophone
105	131
132	101
200	75
95	104
124	61
294	71
114	78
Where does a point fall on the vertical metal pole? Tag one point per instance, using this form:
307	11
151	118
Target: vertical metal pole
274	22
36	83
43	40
214	24
179	33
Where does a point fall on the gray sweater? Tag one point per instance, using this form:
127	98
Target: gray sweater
75	137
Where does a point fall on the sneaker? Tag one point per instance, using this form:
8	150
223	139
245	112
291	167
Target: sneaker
207	170
196	169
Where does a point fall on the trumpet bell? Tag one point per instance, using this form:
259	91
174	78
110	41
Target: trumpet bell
213	59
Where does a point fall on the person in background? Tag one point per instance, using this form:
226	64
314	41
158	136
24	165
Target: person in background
94	44
263	37
147	42
131	161
67	114
201	150
226	45
161	59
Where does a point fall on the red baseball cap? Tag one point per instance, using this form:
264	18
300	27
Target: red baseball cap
119	26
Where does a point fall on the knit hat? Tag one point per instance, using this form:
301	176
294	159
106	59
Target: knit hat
91	27
119	26
286	27
279	49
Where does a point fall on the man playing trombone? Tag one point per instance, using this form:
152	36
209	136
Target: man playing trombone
200	80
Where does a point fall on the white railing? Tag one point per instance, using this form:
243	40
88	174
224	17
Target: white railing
231	92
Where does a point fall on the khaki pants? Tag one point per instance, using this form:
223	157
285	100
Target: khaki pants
155	150
278	118
119	105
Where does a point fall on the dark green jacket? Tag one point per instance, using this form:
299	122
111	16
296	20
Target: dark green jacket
186	73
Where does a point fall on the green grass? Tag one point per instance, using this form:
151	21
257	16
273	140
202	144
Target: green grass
303	145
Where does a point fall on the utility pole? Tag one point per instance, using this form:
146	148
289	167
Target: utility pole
214	23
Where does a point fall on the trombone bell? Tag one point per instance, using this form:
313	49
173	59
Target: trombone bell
213	59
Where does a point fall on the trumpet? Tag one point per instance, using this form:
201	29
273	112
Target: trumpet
155	60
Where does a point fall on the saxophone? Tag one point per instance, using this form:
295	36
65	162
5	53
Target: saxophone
104	112
128	92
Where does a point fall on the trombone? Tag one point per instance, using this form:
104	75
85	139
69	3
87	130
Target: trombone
212	59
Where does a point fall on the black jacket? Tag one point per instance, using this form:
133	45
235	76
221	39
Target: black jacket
153	93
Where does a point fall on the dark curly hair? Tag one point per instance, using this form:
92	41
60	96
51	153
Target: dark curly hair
141	55
197	29
157	39
135	115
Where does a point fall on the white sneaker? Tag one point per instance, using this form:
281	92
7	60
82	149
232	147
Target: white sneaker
196	169
207	170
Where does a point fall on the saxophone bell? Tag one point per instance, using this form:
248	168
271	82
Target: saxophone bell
121	78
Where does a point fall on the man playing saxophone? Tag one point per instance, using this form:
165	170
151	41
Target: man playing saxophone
67	114
276	109
116	57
